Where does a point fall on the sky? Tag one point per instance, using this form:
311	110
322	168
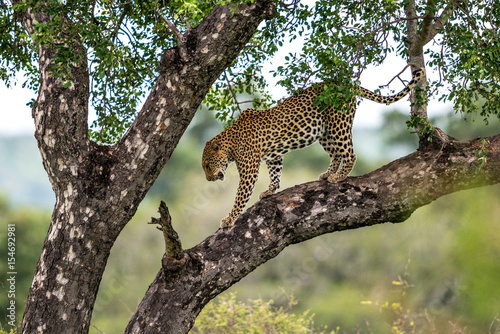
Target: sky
15	115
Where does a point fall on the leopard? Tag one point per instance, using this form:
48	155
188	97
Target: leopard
264	136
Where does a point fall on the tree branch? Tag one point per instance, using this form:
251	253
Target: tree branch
396	76
441	21
232	92
429	29
416	60
416	41
420	41
389	194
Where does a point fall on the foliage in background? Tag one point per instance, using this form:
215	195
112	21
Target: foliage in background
11	331
16	51
339	40
469	58
227	315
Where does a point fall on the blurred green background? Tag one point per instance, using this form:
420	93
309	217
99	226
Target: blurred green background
438	272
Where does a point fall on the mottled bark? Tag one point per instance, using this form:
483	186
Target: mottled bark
389	194
98	188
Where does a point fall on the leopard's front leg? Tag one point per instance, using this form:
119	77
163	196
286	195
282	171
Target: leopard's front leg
248	177
274	166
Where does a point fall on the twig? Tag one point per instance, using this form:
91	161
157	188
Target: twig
396	76
100	331
181	39
250	101
232	92
490	329
114	35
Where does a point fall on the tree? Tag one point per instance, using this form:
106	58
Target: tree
107	53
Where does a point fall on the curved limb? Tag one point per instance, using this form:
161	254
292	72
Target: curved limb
248	176
275	167
340	149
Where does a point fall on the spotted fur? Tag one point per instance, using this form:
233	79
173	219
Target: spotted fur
265	135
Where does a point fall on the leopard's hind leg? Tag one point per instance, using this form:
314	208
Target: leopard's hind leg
337	142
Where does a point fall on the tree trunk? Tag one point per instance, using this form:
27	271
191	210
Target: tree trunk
389	194
98	188
416	39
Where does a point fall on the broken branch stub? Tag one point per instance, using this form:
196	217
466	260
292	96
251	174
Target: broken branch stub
175	258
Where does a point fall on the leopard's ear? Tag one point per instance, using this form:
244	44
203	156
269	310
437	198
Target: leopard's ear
215	146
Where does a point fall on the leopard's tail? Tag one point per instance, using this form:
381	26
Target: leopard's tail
417	75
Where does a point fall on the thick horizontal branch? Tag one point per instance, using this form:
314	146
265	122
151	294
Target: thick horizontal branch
389	194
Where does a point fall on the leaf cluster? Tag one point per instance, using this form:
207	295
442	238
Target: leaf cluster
17	53
243	82
468	58
482	154
340	39
124	43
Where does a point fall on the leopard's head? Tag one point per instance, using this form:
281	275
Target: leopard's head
214	161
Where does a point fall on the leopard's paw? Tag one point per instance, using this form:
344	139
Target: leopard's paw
336	178
324	176
227	222
266	193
